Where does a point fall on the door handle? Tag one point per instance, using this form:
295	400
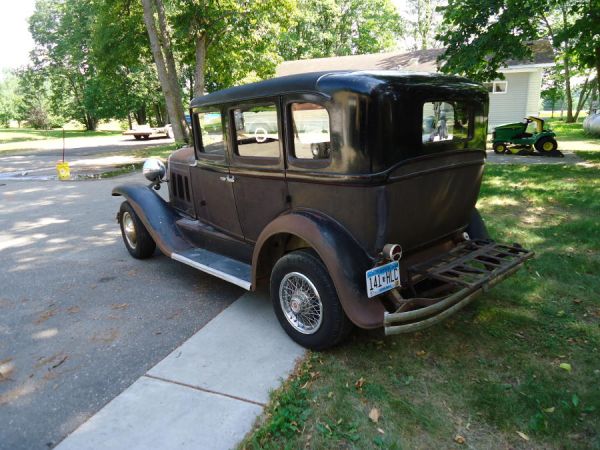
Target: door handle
228	178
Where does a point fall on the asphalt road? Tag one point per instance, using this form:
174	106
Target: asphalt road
87	155
80	319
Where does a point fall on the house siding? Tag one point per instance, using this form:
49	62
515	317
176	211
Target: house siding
535	93
515	103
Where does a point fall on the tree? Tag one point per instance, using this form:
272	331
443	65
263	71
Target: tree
9	98
124	63
61	30
341	27
425	23
552	92
481	35
585	32
159	34
228	41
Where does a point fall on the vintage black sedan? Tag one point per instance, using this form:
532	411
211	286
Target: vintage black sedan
350	194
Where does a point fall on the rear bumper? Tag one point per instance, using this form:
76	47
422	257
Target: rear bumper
454	280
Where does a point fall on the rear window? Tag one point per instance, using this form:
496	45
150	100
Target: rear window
310	123
445	121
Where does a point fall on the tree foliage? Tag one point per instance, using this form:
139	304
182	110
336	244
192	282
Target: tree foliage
423	26
96	58
341	27
481	35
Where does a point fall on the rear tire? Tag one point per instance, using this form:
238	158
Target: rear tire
306	302
546	145
138	241
476	228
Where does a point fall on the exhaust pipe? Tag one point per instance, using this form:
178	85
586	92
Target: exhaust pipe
393	252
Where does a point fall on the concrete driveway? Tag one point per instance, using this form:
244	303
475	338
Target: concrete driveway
80	320
88	155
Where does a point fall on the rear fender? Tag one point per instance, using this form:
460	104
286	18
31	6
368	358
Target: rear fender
156	214
344	258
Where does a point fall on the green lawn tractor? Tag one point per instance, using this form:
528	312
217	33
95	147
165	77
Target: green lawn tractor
521	138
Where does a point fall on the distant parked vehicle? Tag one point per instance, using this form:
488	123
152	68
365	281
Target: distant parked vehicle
146	132
520	138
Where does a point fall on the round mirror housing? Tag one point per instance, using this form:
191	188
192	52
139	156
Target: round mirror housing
154	170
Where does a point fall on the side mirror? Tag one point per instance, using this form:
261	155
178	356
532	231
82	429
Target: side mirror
154	170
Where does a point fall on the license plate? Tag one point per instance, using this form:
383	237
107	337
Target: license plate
383	278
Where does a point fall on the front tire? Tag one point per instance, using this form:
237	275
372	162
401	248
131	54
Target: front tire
306	302
499	148
138	241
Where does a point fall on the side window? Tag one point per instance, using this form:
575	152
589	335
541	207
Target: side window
445	121
310	125
257	131
213	139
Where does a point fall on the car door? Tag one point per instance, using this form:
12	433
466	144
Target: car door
211	180
257	166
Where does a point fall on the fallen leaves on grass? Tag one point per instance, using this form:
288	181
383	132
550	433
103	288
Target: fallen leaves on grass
459	439
566	366
374	415
421	353
359	383
523	435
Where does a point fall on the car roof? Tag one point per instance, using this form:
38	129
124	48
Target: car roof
329	82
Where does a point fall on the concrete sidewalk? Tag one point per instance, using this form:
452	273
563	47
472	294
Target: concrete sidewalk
205	394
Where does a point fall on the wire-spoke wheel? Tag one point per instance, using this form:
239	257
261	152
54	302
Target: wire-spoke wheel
137	240
301	303
306	302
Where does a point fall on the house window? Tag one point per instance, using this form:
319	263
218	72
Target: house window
257	131
310	123
496	87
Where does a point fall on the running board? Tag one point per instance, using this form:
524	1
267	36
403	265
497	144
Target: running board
228	269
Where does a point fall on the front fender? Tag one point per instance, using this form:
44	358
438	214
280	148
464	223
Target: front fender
156	214
345	259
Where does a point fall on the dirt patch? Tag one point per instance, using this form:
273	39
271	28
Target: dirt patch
45	316
105	337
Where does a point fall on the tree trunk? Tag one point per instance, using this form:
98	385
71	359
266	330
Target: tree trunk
583	95
165	66
178	114
568	93
90	122
129	121
200	64
597	54
159	118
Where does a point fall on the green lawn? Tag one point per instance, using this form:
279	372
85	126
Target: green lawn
9	135
567	131
519	368
158	151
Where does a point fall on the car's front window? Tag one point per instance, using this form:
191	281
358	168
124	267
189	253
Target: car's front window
213	138
445	121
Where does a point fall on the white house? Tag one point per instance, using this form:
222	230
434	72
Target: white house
511	99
